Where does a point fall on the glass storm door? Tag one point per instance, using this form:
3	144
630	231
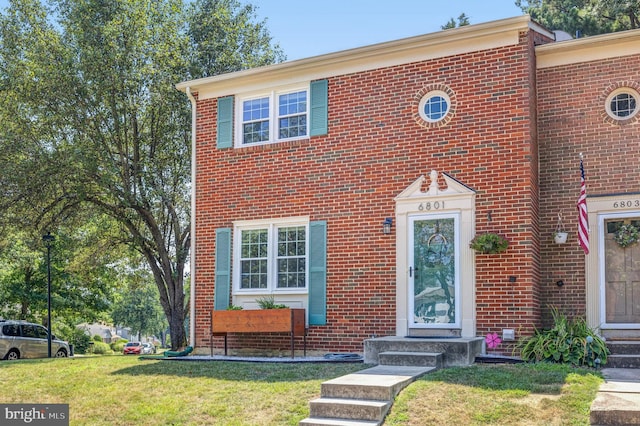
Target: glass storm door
622	276
433	271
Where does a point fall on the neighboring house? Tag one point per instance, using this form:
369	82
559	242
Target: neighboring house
107	333
442	136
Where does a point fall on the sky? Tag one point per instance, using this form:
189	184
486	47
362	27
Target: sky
305	28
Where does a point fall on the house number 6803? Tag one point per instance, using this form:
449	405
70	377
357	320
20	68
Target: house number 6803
436	205
627	203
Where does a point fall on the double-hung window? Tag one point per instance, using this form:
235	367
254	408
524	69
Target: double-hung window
271	256
274	116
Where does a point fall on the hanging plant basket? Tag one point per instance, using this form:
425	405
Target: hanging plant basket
489	243
560	235
626	235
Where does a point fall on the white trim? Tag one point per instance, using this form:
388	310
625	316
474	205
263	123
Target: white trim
412	218
192	231
273	113
427	97
588	49
465	39
601	275
606	206
271	225
456	198
622	91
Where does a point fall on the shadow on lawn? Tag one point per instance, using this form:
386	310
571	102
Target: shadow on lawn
541	378
249	371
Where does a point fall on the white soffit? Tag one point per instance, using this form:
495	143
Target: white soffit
466	39
588	49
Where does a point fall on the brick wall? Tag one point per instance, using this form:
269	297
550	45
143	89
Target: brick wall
571	120
373	151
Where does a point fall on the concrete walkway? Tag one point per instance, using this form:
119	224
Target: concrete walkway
618	399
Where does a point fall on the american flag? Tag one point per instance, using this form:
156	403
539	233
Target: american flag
583	220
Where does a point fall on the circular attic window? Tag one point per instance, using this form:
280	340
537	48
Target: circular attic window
622	104
434	106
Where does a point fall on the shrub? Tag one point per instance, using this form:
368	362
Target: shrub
118	345
570	341
268	302
96	338
75	336
80	341
101	348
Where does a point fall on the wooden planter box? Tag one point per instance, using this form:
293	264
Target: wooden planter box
289	320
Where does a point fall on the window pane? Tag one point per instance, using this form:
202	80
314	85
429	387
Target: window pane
436	107
291	262
255	120
292	113
253	258
623	105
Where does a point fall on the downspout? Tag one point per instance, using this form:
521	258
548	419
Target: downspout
192	258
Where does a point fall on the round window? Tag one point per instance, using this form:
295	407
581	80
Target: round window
434	106
622	104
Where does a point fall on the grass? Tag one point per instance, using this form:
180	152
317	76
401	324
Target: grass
517	394
122	390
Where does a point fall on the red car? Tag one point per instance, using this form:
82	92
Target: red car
132	348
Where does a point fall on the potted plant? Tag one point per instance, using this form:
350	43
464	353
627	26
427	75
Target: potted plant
489	243
626	235
560	235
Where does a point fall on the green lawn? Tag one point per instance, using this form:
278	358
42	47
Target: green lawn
123	390
521	394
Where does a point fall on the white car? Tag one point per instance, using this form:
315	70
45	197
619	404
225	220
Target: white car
21	339
148	348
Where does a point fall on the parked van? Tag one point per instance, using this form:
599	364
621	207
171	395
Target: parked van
21	339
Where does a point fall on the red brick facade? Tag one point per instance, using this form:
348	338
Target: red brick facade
513	138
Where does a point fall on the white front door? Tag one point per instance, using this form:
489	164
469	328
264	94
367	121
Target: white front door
434	271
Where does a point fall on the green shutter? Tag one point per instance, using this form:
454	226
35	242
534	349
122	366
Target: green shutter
318	273
223	269
225	122
318	120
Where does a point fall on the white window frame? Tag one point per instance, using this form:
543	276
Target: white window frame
273	114
426	98
622	91
272	226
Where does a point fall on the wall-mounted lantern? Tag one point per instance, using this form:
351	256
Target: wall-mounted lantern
386	225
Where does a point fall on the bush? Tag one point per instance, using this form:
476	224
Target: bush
80	341
96	338
570	341
101	348
75	336
118	345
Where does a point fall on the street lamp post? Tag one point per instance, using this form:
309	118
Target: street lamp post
48	241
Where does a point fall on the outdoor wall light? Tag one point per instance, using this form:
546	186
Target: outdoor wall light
386	225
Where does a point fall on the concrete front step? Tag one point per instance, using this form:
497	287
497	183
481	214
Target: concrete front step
455	351
361	398
623	361
618	399
380	383
352	409
419	359
623	354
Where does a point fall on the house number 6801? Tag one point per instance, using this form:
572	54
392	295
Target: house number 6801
436	205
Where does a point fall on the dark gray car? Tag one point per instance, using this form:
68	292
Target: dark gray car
21	339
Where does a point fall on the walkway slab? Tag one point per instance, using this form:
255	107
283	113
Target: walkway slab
618	399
